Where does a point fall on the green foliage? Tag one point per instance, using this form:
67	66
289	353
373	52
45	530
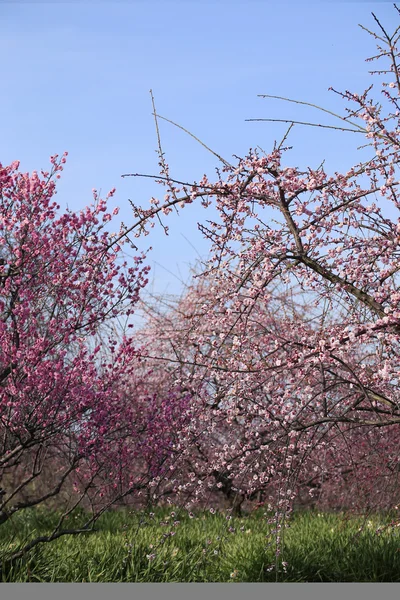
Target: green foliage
139	547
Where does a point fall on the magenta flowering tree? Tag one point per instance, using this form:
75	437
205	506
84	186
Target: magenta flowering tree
76	426
297	339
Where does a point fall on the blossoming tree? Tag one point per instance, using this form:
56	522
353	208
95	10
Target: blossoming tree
298	333
77	422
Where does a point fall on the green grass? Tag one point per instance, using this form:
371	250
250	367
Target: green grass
325	547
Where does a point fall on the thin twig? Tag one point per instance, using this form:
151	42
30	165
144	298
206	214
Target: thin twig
286	135
329	112
309	124
225	162
160	150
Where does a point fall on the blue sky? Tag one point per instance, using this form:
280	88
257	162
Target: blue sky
76	77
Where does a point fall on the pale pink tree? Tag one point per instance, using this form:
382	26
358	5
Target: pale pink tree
324	372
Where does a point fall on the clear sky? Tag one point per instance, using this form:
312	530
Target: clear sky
76	76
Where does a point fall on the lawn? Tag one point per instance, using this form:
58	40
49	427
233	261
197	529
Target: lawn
171	546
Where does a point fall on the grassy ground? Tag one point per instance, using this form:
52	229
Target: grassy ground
140	548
